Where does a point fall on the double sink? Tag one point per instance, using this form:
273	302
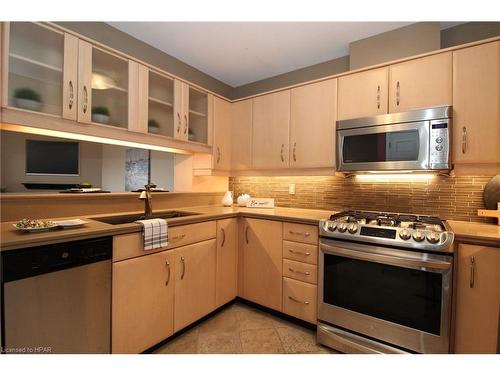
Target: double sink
126	219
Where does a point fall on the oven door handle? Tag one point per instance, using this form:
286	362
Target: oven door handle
432	265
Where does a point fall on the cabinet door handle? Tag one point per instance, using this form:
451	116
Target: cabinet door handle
305	234
71	96
186	124
472	271
218	155
294	147
398	93
246	234
179	237
298	301
183	268
223	237
178	122
464	140
282	153
85	99
378	97
167	263
300	272
299	252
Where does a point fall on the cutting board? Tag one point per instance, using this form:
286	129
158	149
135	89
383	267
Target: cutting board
491	213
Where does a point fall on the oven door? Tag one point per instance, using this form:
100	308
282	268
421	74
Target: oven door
396	296
402	146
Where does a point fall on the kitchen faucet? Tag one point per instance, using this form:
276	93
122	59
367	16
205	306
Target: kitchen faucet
146	196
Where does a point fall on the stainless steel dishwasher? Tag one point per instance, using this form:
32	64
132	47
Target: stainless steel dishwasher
57	298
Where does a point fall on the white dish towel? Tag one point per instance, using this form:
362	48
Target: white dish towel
155	233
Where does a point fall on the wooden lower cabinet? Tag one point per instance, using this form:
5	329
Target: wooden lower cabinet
477	313
195	268
300	299
227	261
261	252
142	302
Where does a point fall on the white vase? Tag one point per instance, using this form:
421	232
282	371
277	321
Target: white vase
227	200
29	104
100	118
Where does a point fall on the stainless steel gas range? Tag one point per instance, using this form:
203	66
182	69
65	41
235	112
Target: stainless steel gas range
384	283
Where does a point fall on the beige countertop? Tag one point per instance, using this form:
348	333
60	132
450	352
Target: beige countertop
465	230
11	238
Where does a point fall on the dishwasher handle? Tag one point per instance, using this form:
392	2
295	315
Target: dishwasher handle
23	263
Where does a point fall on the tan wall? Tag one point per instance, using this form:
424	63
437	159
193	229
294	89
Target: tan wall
450	198
395	44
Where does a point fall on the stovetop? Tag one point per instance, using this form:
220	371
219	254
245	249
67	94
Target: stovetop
419	232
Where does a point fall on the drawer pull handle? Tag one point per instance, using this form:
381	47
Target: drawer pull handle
183	268
85	99
472	271
298	301
71	96
223	237
299	252
464	140
306	234
301	272
179	237
178	122
167	263
378	97
282	156
186	124
398	93
246	235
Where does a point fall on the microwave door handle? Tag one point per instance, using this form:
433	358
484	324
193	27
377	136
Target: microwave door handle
436	266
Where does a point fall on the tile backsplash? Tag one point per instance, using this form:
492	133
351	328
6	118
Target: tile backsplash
456	198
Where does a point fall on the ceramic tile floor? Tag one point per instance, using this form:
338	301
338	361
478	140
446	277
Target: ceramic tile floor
241	329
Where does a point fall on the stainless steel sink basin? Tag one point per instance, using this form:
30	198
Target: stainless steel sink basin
125	219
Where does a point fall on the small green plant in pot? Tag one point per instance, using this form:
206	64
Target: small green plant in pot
153	126
100	114
27	98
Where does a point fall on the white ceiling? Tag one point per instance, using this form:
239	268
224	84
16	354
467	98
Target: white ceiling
242	52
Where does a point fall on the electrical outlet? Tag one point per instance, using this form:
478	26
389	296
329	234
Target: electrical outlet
291	189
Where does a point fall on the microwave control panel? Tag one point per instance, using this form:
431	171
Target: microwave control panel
439	142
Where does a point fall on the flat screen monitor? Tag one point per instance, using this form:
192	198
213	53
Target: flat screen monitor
52	158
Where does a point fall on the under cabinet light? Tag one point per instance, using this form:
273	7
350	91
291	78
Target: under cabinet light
395	177
87	138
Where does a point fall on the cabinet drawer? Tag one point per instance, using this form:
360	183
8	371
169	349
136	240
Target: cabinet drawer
300	299
132	245
300	252
300	233
300	271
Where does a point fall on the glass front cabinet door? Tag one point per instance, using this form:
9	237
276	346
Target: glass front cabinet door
160	105
42	69
192	113
103	87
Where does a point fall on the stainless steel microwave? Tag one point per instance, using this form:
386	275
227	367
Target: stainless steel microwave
408	141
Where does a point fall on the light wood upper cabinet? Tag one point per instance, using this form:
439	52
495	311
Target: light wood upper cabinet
271	128
476	104
143	302
222	135
363	94
262	262
421	83
195	268
312	125
227	261
477	299
241	137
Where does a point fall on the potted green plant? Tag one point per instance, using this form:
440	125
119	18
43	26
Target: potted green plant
153	126
27	98
100	114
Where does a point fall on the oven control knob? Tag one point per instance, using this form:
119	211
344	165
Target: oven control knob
331	227
433	237
342	227
418	236
405	234
353	228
